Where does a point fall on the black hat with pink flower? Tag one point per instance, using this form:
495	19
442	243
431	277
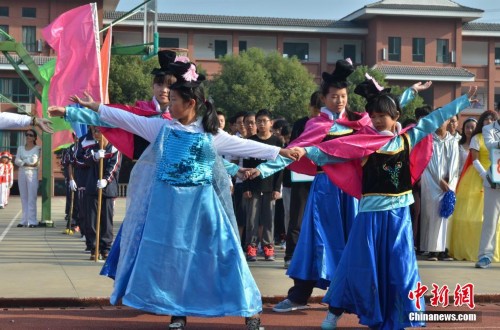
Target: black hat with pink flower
185	73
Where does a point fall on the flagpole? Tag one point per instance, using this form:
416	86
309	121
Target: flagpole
99	203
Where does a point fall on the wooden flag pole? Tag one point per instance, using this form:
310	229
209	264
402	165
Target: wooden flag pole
99	204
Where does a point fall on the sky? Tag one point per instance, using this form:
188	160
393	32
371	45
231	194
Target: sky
314	9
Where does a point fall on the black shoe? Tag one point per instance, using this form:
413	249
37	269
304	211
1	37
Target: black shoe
444	256
252	323
177	323
19	226
32	226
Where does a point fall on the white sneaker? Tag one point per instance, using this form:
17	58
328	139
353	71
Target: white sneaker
330	321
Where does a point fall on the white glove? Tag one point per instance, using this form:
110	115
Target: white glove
99	154
101	184
72	185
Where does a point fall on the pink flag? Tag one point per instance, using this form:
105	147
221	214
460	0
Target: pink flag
74	36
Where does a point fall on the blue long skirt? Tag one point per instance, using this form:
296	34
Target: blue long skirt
327	221
378	270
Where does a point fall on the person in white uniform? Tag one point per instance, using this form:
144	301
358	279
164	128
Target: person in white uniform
14	120
491	210
28	158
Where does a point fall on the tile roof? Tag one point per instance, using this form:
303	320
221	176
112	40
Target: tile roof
241	20
380	5
429	71
490	27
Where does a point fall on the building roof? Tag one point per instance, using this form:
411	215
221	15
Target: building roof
427	8
481	29
242	22
407	72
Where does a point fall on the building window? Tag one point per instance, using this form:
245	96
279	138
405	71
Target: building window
242	45
4	11
220	48
10	140
29	12
15	90
350	52
418	50
168	43
394	49
497	55
29	38
5	28
297	49
443	51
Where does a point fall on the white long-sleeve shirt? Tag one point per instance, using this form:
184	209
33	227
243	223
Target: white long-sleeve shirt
28	159
149	128
13	120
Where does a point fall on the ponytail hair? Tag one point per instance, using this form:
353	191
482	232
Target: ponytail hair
203	107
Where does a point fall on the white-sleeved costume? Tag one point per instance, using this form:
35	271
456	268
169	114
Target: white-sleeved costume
13	120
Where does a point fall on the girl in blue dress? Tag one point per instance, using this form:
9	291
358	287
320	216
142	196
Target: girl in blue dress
187	261
378	268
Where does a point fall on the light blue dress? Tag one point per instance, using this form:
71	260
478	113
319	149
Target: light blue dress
187	260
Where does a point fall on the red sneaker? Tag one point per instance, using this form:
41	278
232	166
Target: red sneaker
269	252
251	253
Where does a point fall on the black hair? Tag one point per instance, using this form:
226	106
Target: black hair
264	112
160	79
315	100
422	111
384	103
463	138
34	133
407	122
480	121
220	113
249	114
210	121
283	126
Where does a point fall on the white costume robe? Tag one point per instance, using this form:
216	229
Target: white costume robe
444	164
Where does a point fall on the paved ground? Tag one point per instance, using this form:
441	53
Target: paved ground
46	281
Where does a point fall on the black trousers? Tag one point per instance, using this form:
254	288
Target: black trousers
301	291
106	224
298	200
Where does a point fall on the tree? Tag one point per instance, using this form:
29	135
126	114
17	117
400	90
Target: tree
357	103
130	79
253	80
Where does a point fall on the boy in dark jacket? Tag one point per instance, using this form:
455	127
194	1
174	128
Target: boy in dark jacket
109	185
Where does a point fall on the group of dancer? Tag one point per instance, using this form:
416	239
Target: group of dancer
188	261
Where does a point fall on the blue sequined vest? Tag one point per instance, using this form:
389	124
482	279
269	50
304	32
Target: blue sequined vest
185	158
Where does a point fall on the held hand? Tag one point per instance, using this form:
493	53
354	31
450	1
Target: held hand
418	87
45	125
472	93
101	184
101	153
444	185
87	102
276	195
247	194
299	152
243	173
253	173
56	111
289	153
72	185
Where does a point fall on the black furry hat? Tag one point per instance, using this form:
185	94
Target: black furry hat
338	78
370	89
165	57
186	75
